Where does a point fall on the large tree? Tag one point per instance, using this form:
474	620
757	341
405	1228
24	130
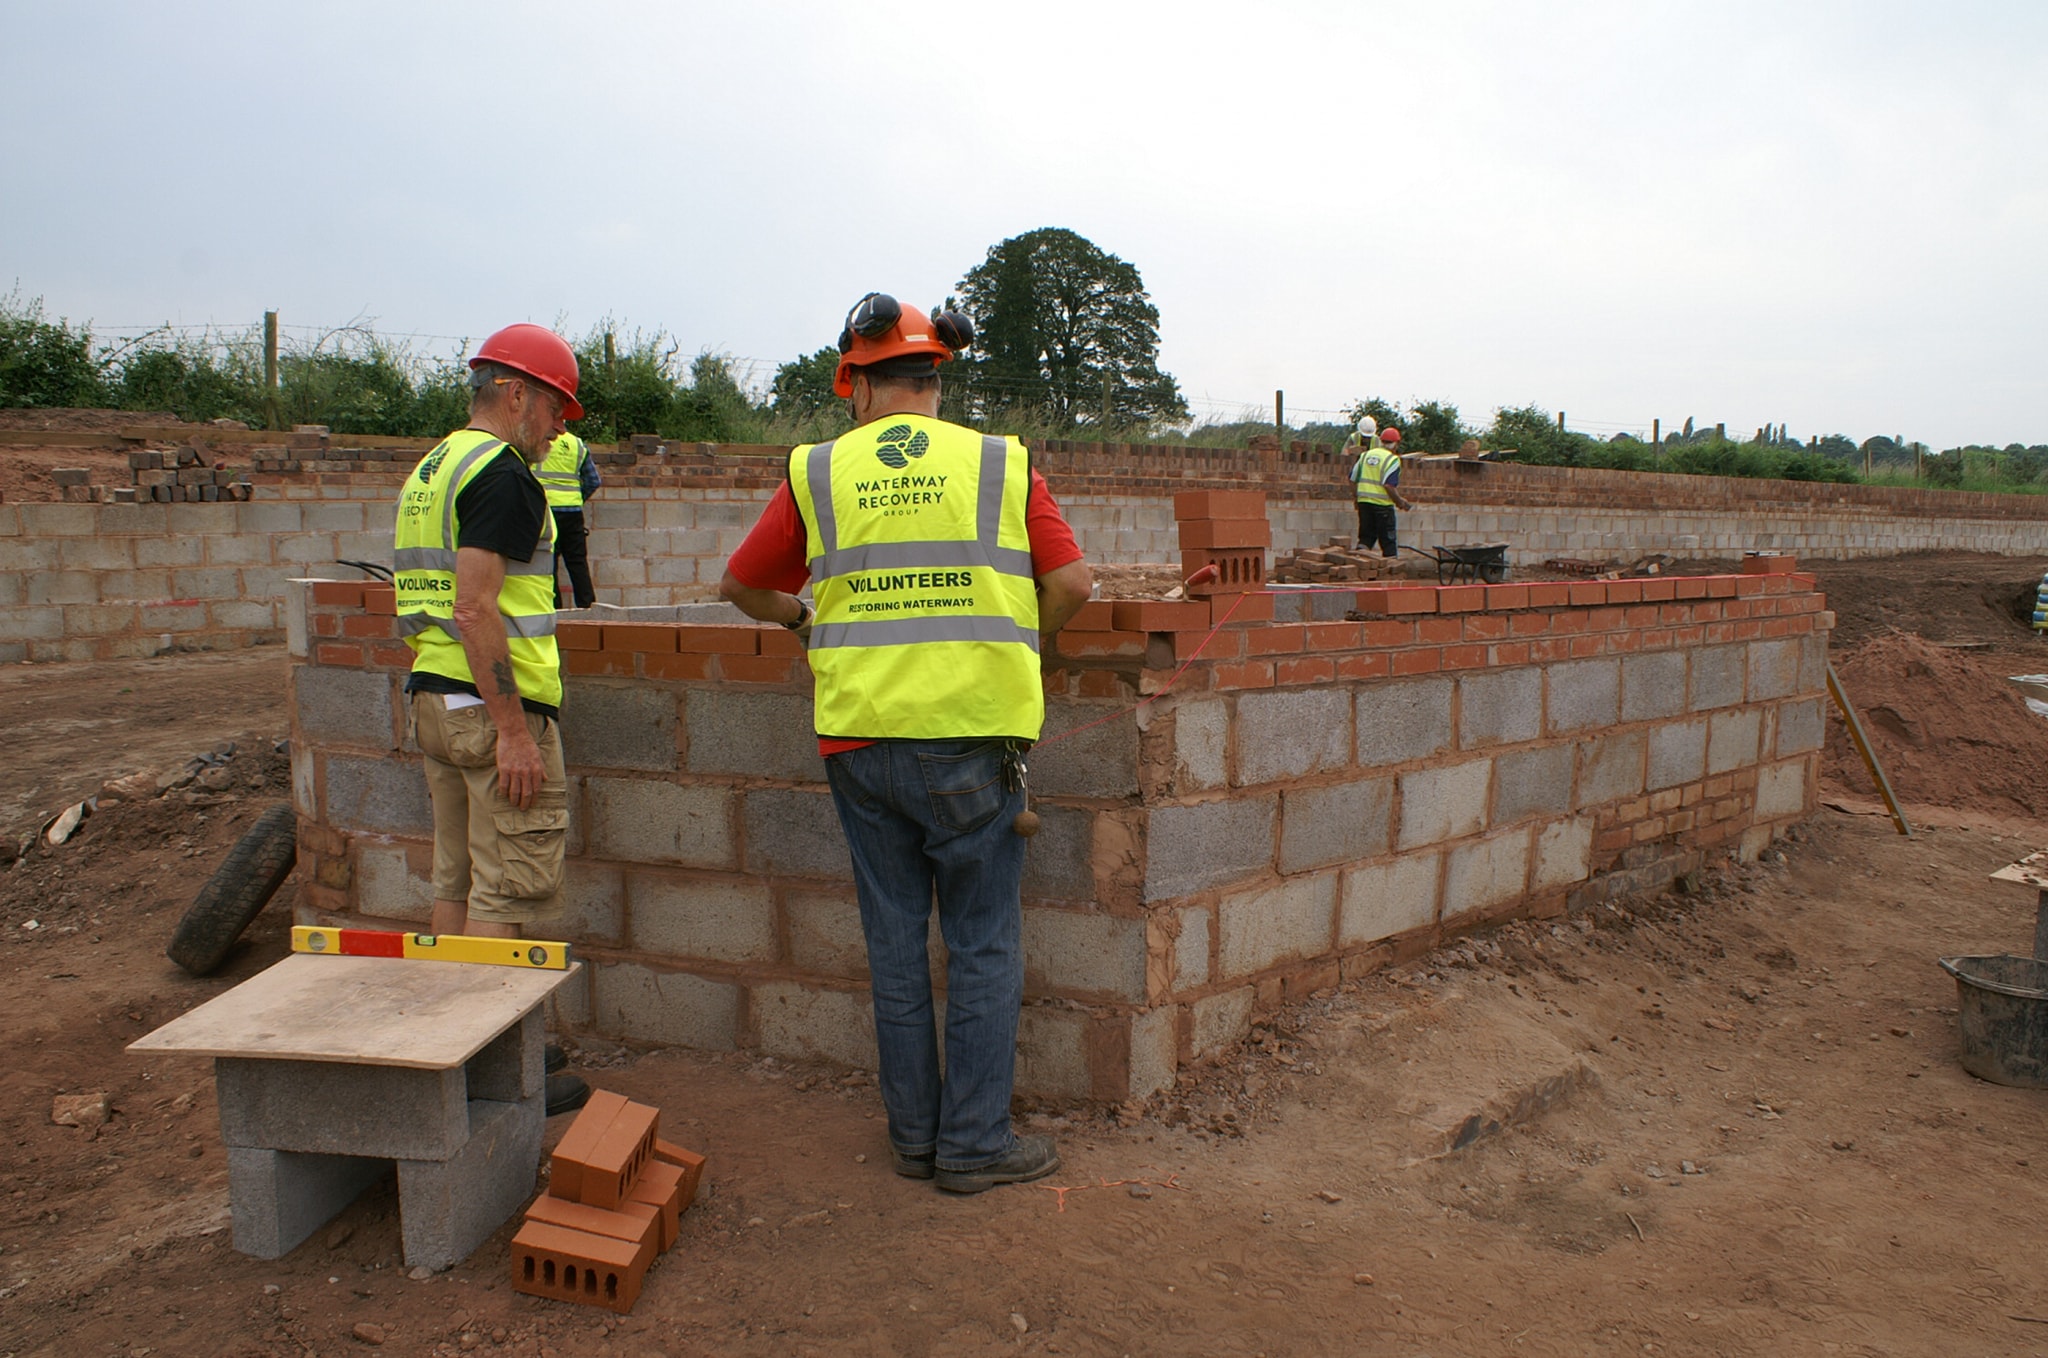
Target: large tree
1064	330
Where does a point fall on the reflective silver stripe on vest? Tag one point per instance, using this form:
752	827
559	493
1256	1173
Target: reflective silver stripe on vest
560	480
911	631
819	467
443	559
536	625
469	460
995	467
988	522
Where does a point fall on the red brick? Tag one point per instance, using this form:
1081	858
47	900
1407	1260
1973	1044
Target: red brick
1240	608
1603	619
579	636
1237	568
636	1223
349	653
1804	580
1588	643
691	1163
1501	597
1467	657
1439	630
1691	586
1510	653
1334	636
1102	684
1376	665
757	669
1398	599
1389	633
1712	610
598	662
1529	624
1777	564
1461	598
391	655
1721	586
1219	504
327	624
1153	615
381	599
613	1165
1623	643
1549	649
660	1186
1421	660
1485	626
1250	674
649	638
780	641
675	666
716	639
338	593
1640	615
1097	615
565	1165
1624	591
1777	584
1748	585
1280	639
1076	643
1738	608
1226	533
1550	594
1308	669
1585	593
1656	590
365	625
550	1261
1225	645
1571	620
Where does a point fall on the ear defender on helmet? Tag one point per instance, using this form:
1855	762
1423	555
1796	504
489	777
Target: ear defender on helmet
953	328
872	317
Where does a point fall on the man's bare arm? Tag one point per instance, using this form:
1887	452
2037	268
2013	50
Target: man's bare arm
1061	592
479	577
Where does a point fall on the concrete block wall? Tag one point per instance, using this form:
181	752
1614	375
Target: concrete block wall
1322	781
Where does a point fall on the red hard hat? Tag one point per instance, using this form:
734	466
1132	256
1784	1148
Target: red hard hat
1390	435
880	328
539	353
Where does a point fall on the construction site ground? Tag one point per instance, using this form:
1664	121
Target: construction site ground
1725	1120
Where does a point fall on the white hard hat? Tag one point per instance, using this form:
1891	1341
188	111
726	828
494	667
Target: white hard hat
1367	426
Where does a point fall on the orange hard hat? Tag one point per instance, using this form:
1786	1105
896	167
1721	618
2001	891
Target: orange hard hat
880	328
1390	435
539	353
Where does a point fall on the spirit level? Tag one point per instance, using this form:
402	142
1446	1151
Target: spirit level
500	952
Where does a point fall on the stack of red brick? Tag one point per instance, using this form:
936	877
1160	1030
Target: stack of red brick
1226	529
616	1193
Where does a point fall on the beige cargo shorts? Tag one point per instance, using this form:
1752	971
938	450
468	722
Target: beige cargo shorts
506	862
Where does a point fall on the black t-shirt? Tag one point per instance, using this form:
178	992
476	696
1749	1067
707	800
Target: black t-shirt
502	510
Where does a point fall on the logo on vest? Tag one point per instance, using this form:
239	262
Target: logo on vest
431	463
896	445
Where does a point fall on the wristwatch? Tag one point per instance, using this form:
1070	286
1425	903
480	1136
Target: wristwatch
803	616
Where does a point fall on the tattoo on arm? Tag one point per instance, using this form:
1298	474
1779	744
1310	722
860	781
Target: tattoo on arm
501	675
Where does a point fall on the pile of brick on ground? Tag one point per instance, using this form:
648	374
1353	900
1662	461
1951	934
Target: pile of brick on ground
173	475
1335	561
616	1193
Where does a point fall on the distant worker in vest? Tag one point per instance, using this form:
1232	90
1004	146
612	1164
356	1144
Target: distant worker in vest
1376	477
936	557
475	575
570	478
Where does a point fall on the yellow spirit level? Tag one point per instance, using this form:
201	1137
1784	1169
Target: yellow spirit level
497	952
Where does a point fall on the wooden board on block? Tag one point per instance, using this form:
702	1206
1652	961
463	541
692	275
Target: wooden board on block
372	1011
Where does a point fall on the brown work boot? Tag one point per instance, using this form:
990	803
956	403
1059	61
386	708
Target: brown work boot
1032	1157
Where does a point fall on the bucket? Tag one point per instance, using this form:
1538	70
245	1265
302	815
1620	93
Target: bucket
2002	1011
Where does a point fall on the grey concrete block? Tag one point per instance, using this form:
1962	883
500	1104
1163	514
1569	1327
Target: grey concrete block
824	932
1102	762
633	1001
1564	855
795	832
1388	898
1773	669
1059	862
1718	673
1813	663
806	1023
296	629
1486	873
349	707
609	726
1733	739
1191	948
387	795
1500	707
723	919
764	735
1052	1053
1443	802
655	821
1190	848
1201	735
511	1066
1099	956
1330	605
1781	790
386	885
1403	720
1583	693
1652	685
393	1112
1292	733
1155	1046
1533	782
1611	768
1678	754
278	1198
1802	726
446	1208
1220	1020
1258	929
593	904
1341	824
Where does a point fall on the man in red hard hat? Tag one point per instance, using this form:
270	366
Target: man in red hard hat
475	576
1376	481
936	557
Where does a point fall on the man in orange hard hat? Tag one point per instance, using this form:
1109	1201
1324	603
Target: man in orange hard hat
936	557
1376	481
475	578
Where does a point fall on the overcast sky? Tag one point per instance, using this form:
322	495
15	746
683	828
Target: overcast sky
1828	214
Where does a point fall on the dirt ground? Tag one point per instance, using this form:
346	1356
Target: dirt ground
1722	1121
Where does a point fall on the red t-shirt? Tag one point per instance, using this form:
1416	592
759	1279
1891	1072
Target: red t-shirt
776	554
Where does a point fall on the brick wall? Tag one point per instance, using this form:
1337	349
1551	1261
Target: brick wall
1334	779
82	581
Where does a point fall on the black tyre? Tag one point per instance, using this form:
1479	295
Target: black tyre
237	892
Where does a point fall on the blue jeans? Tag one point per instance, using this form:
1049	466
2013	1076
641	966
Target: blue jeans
920	816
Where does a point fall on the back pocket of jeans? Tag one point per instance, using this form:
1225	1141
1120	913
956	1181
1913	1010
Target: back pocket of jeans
966	790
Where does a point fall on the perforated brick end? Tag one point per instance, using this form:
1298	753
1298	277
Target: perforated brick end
570	1265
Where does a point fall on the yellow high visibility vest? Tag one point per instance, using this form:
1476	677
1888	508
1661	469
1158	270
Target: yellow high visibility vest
927	611
561	472
1369	474
428	529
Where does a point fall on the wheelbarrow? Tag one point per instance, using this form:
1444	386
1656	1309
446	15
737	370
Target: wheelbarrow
2002	1000
1483	563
